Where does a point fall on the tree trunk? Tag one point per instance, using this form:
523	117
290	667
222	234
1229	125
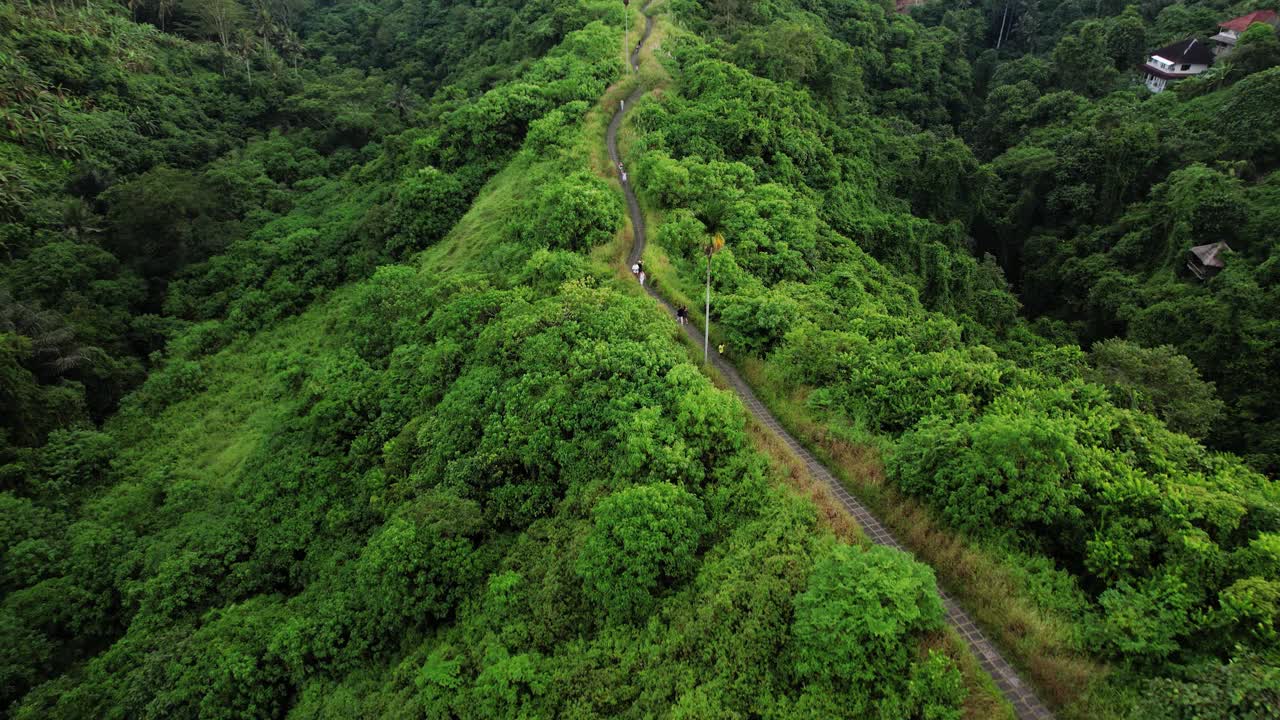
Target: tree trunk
706	327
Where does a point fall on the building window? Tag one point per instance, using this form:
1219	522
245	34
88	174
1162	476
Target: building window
1186	68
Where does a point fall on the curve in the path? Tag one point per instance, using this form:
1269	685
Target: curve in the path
1019	694
611	138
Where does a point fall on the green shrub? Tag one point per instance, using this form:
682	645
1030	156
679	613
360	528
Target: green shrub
576	212
643	542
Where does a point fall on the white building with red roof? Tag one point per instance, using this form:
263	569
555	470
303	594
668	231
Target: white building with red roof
1231	30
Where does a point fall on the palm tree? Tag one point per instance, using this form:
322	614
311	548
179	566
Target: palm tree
15	193
164	9
401	100
53	350
291	45
68	142
79	220
245	47
17	84
712	216
264	21
1221	73
13	122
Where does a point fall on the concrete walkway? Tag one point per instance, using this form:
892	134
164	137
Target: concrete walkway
1019	694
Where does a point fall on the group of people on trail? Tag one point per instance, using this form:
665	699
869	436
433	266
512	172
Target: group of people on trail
682	312
637	269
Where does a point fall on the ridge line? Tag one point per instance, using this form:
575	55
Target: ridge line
1019	693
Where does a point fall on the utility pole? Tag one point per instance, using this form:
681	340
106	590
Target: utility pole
626	34
706	324
714	246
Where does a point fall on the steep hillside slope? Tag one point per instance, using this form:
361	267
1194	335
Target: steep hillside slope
483	482
325	389
1087	531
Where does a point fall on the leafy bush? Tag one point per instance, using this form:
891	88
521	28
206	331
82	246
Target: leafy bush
643	542
576	212
1159	381
850	631
427	206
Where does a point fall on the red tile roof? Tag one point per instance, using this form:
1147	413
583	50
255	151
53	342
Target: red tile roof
1242	23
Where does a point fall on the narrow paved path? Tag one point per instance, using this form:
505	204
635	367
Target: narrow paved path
1019	694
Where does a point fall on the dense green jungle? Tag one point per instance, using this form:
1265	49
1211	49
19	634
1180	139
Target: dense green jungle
326	390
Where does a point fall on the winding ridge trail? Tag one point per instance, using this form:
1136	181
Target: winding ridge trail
1019	694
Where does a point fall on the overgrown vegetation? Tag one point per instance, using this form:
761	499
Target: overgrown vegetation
316	399
402	448
853	196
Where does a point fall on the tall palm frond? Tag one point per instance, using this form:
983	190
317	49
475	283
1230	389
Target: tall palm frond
53	350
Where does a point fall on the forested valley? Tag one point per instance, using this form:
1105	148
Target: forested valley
325	390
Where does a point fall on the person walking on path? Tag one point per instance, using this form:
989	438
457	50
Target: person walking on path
682	315
642	277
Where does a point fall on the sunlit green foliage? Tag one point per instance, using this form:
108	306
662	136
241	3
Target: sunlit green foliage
643	539
875	311
250	468
850	624
481	483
